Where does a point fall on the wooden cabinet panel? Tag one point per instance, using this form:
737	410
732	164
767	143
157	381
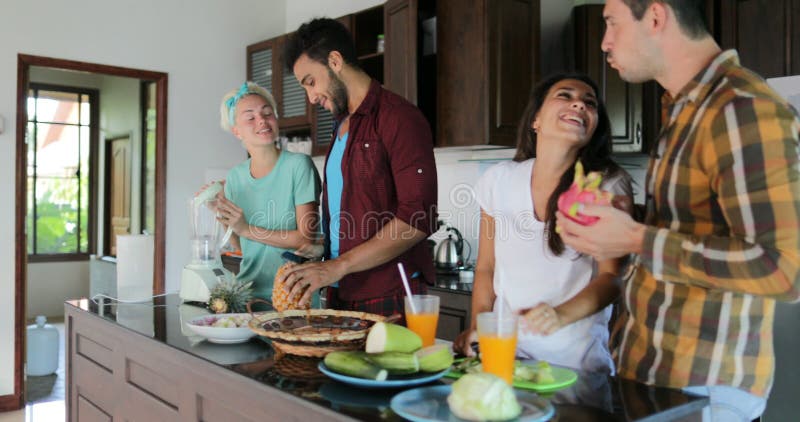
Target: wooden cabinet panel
87	412
765	32
486	52
623	100
454	313
400	56
794	37
513	51
461	109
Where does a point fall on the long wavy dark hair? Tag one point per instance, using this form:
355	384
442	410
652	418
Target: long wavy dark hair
595	155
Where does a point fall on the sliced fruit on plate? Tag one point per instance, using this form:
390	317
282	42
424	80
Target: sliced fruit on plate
434	358
355	364
385	337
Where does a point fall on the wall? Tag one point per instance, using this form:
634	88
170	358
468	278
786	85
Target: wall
200	44
50	284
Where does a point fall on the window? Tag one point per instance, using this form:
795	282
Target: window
61	137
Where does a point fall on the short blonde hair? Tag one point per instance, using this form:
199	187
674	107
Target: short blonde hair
227	107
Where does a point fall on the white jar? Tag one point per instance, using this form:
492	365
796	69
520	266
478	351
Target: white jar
43	340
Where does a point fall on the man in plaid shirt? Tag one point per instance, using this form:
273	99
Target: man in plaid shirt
721	242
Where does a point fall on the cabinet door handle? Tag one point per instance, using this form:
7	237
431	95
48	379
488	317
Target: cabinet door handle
638	134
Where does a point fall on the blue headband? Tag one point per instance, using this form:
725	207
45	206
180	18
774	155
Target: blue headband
231	103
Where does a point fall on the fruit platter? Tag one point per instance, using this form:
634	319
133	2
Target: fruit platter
222	328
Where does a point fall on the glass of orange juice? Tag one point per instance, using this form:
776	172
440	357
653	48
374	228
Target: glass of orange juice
423	316
497	340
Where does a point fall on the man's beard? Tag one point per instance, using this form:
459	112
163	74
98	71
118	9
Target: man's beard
339	97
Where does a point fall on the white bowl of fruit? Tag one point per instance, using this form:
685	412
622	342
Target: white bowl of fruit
222	328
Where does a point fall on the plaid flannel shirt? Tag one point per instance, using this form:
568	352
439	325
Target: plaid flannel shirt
722	242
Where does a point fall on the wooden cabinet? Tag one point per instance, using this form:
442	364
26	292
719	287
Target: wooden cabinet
115	373
487	64
765	32
624	101
265	67
454	312
400	58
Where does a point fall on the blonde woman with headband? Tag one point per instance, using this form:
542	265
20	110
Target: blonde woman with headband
271	198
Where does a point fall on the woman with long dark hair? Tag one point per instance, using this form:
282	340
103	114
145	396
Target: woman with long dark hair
563	297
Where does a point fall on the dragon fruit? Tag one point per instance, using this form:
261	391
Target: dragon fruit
584	190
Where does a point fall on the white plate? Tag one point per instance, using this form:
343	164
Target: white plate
394	381
429	404
202	326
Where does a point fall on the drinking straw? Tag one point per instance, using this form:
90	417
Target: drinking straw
499	296
407	287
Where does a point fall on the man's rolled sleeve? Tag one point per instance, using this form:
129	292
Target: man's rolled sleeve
409	145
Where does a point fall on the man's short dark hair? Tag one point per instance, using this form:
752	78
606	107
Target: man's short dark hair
317	38
691	14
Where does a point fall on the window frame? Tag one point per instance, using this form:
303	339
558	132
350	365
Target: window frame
94	135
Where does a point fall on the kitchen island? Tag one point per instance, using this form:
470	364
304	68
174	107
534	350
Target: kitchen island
138	362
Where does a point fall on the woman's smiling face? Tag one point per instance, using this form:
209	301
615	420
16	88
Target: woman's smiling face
568	111
255	121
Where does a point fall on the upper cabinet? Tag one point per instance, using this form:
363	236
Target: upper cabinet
469	66
624	101
265	67
298	117
400	57
487	63
765	32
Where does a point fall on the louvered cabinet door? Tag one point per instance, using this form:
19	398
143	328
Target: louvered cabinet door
293	106
323	130
261	62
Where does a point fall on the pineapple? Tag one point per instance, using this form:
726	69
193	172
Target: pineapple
230	296
280	297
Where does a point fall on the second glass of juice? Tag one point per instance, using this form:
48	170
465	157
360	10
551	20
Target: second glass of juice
423	317
497	340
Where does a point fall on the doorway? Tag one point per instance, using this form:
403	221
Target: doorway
158	201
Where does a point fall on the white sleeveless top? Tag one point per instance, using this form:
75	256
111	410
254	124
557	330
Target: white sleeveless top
527	272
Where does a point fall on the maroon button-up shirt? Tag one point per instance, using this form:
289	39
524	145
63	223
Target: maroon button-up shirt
389	172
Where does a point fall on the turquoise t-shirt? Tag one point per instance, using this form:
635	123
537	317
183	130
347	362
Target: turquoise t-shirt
335	185
269	202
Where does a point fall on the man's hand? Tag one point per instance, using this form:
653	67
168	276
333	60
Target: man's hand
614	235
315	275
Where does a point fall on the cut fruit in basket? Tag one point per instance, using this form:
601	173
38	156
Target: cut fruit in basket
280	297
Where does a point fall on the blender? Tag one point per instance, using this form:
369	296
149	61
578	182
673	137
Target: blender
205	270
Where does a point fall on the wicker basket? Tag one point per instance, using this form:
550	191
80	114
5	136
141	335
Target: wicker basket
314	332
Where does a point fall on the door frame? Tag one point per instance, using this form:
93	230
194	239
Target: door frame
16	400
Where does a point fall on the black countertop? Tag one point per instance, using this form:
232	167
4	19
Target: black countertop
594	397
